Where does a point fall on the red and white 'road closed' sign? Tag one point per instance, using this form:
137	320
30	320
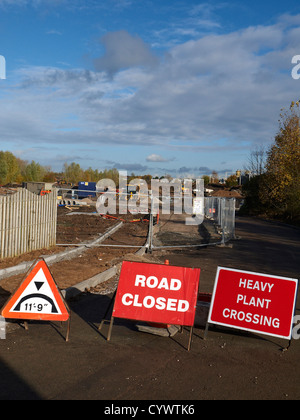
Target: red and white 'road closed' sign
254	302
157	293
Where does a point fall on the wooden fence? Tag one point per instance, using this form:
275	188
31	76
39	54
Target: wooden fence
27	222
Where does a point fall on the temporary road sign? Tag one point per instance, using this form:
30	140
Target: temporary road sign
254	302
37	298
157	293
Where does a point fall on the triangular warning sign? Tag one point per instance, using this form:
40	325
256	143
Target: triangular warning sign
37	298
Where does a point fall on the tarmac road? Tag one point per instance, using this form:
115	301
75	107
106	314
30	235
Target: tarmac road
39	364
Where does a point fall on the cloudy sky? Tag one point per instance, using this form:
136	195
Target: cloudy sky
182	87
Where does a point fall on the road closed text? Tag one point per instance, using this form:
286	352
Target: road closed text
157	293
160	303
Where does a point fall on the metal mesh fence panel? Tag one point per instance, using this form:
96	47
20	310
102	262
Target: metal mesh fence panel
228	219
215	226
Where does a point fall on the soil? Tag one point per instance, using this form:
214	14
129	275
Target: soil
174	231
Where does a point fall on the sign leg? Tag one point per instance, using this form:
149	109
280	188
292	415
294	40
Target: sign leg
206	331
110	328
68	329
107	310
190	338
288	346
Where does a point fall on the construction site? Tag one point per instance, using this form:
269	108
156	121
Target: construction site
88	243
152	363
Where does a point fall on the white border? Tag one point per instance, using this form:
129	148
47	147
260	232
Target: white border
209	321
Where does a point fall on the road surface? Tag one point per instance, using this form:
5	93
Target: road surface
39	364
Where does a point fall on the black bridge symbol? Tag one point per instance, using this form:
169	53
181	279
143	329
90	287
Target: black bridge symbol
36	295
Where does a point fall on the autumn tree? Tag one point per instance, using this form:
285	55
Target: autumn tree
91	175
34	172
73	173
231	181
9	168
281	189
112	174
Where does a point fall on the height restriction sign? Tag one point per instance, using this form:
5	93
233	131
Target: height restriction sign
254	302
37	298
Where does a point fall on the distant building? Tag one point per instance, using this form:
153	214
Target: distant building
230	194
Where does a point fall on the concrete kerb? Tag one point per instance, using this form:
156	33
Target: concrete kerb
51	259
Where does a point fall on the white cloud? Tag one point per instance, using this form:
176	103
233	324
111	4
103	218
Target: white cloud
157	158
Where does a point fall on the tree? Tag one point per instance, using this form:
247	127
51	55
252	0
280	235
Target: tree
257	161
3	168
231	181
9	168
112	174
281	189
34	172
253	204
91	175
205	180
73	173
50	176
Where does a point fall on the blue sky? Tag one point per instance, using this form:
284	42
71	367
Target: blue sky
160	87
